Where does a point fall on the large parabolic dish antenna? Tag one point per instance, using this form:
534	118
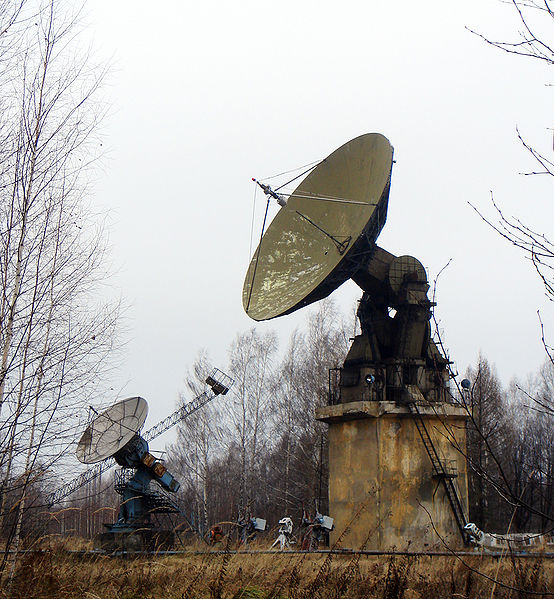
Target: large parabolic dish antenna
324	233
111	430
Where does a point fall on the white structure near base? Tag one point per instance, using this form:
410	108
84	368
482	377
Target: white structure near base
526	540
285	534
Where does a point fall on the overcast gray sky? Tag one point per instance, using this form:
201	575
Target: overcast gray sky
207	95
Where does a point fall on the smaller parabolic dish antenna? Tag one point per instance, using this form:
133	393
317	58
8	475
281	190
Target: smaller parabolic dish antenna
111	430
325	231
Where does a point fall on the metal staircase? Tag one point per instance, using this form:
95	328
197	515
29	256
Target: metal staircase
159	502
155	499
439	470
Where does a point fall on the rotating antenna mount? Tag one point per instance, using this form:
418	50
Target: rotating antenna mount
115	433
326	234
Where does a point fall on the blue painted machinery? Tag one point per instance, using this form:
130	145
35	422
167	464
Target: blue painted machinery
113	437
140	505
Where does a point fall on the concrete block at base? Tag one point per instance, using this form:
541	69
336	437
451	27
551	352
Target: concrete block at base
381	483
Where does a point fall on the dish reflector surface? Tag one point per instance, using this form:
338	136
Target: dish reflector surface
112	430
324	233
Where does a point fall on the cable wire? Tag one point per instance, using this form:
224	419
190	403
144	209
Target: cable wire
311	168
252	223
257	257
310	164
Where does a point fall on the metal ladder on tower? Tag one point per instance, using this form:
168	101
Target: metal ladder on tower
439	469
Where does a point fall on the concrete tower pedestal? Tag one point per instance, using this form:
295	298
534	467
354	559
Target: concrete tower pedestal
383	490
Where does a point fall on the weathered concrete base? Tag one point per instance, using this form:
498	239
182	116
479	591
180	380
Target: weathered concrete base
382	493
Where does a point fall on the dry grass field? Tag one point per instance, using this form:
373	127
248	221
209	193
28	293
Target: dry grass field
57	574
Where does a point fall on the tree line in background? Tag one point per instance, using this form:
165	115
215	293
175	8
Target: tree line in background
510	450
261	451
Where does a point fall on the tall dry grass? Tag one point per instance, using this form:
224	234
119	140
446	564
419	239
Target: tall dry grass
56	574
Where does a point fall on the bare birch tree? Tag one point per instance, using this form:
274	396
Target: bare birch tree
485	435
55	335
285	420
302	385
200	440
251	365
